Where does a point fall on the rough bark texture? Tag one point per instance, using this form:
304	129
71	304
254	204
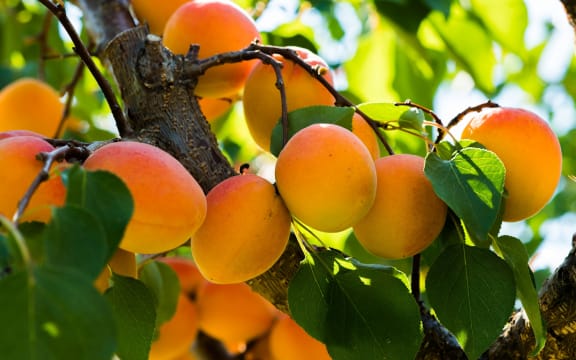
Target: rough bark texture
157	98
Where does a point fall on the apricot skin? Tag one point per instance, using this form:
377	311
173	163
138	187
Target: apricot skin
288	341
365	133
326	177
177	334
200	22
246	229
155	13
261	99
18	159
233	312
30	104
122	263
188	274
530	152
169	205
407	215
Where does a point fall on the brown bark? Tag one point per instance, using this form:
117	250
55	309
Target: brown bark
157	97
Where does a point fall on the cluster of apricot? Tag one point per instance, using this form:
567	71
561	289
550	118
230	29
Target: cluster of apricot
239	319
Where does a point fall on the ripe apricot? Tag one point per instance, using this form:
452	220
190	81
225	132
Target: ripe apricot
407	215
288	341
326	177
530	152
261	99
200	22
20	167
30	104
155	13
176	335
214	108
13	133
122	263
233	312
188	274
169	205
365	133
246	230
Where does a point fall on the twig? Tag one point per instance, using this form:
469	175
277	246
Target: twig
457	118
60	12
70	96
44	174
415	278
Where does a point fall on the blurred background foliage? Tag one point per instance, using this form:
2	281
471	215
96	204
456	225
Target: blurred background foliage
446	55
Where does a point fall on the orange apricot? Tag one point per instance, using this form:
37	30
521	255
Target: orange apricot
261	99
122	263
530	152
18	159
169	205
188	274
30	104
176	336
13	133
233	313
365	133
214	108
407	215
246	229
289	341
326	177
155	13
200	22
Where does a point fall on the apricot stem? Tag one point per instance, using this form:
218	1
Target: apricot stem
60	12
43	175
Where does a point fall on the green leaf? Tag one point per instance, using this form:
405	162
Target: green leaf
407	14
164	284
301	118
471	46
507	25
106	196
359	311
471	183
74	238
472	291
54	314
412	118
515	254
133	305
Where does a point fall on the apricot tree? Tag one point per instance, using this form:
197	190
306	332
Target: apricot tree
230	183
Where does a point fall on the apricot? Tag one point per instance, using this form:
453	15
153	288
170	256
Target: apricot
169	205
188	274
30	104
200	22
13	133
261	99
365	133
20	167
326	177
530	152
214	108
407	215
176	335
122	263
233	313
289	341
246	229
155	13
